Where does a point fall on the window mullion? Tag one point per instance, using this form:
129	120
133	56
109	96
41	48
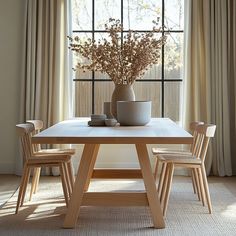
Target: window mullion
163	63
93	73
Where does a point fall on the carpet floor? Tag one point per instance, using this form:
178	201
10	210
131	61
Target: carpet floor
44	215
8	186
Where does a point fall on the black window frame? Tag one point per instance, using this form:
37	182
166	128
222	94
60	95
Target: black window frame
162	80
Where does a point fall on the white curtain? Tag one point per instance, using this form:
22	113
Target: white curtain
47	85
210	76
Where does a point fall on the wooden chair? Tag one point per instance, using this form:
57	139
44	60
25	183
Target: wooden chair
31	160
38	126
158	151
194	161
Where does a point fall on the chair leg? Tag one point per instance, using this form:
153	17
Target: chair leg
67	178
71	175
193	181
23	180
168	188
156	169
64	185
164	187
33	183
202	191
205	183
37	179
161	180
28	169
197	184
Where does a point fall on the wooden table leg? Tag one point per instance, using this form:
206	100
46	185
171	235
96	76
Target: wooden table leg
91	169
149	182
84	173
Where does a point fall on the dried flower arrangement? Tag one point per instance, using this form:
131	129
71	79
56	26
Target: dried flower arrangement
123	59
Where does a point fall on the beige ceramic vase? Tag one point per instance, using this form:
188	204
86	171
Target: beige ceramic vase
122	92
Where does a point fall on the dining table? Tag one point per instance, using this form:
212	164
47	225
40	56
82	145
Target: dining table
77	131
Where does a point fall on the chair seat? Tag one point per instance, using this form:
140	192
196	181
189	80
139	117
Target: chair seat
46	158
183	159
156	151
57	151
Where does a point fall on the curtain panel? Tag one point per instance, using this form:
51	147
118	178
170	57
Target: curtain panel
210	59
47	85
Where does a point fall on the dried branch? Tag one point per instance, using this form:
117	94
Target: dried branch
125	61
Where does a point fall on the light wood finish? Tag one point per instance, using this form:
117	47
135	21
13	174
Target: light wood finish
38	126
157	151
194	161
35	181
161	181
65	184
170	167
115	199
81	180
117	174
91	167
32	161
193	126
164	185
201	187
70	174
197	184
194	182
150	186
76	131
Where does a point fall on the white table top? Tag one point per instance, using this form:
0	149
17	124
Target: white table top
77	131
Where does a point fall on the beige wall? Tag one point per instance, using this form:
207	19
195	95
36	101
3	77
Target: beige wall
11	49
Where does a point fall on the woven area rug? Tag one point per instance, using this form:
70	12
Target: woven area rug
44	215
8	187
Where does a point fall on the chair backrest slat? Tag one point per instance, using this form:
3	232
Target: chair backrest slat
199	145
204	133
25	133
193	127
23	150
204	149
38	125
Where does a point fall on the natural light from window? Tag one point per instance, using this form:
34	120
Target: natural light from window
162	84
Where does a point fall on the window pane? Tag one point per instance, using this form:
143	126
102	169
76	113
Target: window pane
103	93
153	73
83	98
149	91
80	74
82	15
99	75
139	14
174	14
172	102
105	9
174	56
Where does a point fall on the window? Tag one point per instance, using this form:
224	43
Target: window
162	84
